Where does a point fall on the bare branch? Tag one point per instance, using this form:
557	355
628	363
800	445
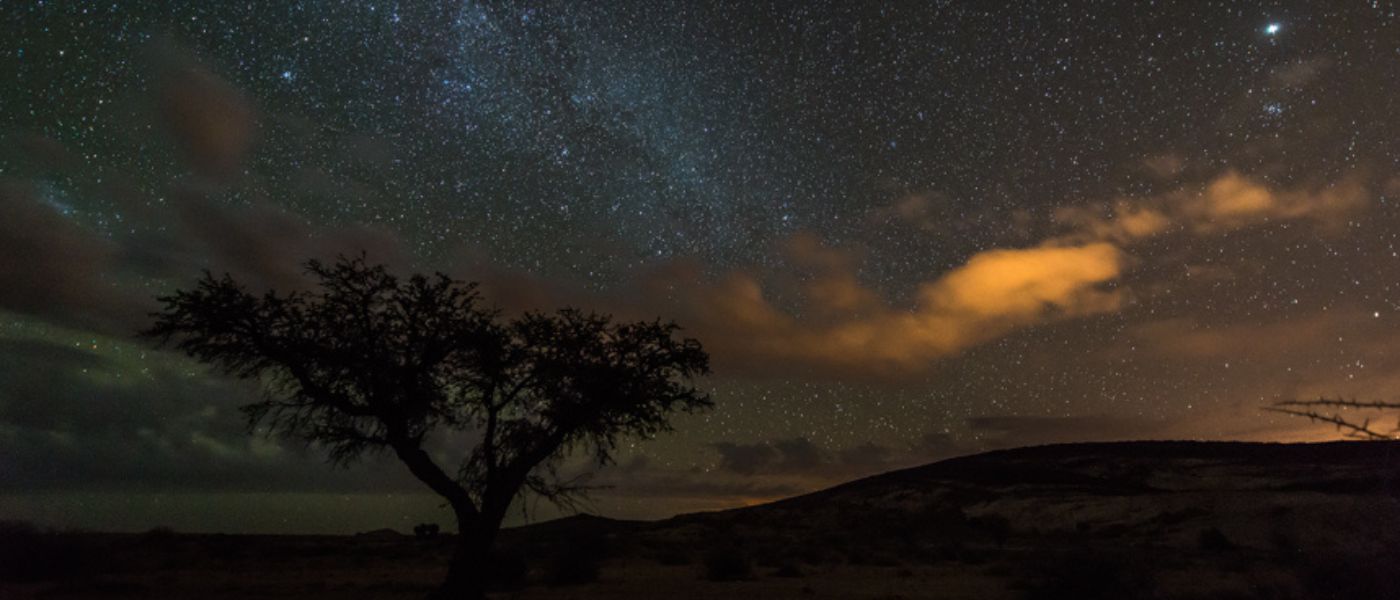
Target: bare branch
1341	403
1360	431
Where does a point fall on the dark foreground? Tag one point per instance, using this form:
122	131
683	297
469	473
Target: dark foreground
1124	520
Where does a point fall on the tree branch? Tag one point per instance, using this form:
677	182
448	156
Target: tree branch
1341	403
1363	430
427	471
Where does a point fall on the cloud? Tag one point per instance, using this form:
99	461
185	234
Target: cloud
61	269
1164	166
46	153
1026	430
993	293
788	456
56	270
1190	339
808	462
1226	203
1299	73
211	121
921	211
828	282
869	457
83	418
658	493
63	272
936	445
1340	350
744	459
263	245
1128	222
816	316
1233	200
1021	285
835	325
939	214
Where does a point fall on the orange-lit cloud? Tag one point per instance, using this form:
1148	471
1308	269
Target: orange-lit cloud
1164	166
830	289
1230	201
818	316
839	325
1233	200
992	294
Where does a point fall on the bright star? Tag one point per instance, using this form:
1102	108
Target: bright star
1272	28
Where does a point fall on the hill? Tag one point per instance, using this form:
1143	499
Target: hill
1127	519
1106	520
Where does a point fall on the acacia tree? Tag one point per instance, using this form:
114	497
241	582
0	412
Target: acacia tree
367	362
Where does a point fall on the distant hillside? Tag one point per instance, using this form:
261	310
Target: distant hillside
1131	487
1117	468
1176	519
1120	521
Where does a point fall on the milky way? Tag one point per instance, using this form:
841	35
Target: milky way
906	230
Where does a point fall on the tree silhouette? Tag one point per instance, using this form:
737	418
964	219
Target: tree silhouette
368	362
1331	411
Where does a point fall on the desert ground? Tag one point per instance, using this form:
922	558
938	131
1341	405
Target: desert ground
1122	520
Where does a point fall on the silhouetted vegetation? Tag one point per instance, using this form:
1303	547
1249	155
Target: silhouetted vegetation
674	557
1347	575
160	532
509	569
788	570
1090	575
368	362
425	531
727	564
578	560
28	554
995	527
1213	540
1331	411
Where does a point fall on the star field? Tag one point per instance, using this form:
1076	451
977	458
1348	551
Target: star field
1194	204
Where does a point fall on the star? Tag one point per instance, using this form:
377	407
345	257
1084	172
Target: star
841	176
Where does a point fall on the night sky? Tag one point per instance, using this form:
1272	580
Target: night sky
905	231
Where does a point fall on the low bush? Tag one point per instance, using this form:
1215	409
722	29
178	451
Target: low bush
577	562
1090	575
426	531
160	533
727	564
674	557
29	555
1346	575
788	570
1214	540
508	569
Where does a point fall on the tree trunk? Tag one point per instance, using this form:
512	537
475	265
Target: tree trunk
469	571
466	574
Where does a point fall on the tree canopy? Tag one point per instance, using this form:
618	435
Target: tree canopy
367	361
